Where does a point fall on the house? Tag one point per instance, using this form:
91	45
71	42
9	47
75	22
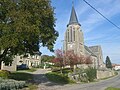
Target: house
30	61
116	66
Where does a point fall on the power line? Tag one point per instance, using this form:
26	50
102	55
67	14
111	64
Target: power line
102	15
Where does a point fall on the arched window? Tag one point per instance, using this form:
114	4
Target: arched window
71	34
68	35
74	34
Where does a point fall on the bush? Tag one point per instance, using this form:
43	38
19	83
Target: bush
85	75
58	78
4	74
116	73
41	65
9	84
91	73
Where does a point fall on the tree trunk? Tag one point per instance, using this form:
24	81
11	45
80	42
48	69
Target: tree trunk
2	55
0	64
61	70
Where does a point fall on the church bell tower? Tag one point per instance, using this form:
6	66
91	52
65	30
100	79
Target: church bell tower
74	36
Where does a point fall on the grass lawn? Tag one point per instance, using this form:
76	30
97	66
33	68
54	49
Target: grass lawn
29	70
24	77
57	77
111	88
31	87
21	76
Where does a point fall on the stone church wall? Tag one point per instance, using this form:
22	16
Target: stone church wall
104	74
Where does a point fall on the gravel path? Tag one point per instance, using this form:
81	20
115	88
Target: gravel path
43	82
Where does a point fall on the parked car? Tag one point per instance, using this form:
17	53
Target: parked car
22	67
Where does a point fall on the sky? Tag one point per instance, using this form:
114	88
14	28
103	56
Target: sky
96	29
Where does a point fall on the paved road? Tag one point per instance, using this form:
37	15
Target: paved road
45	84
101	85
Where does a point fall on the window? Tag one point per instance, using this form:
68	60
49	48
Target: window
71	34
74	34
68	35
37	57
20	57
33	57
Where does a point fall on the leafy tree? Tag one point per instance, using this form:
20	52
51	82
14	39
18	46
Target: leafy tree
108	63
70	58
47	58
59	59
25	26
73	59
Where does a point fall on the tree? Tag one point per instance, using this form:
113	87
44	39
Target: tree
25	26
58	61
71	58
108	62
47	58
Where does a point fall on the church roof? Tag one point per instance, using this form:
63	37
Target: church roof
94	48
89	51
73	17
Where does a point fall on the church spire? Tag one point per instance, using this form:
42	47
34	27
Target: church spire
73	17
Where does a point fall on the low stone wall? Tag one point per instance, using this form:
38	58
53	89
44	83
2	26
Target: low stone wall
13	67
104	74
9	68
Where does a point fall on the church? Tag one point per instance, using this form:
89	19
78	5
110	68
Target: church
74	40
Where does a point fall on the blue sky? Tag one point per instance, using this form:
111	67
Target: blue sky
96	29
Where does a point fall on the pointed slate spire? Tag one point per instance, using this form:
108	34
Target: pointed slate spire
73	17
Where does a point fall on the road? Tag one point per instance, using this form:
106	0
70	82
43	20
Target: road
45	84
101	85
